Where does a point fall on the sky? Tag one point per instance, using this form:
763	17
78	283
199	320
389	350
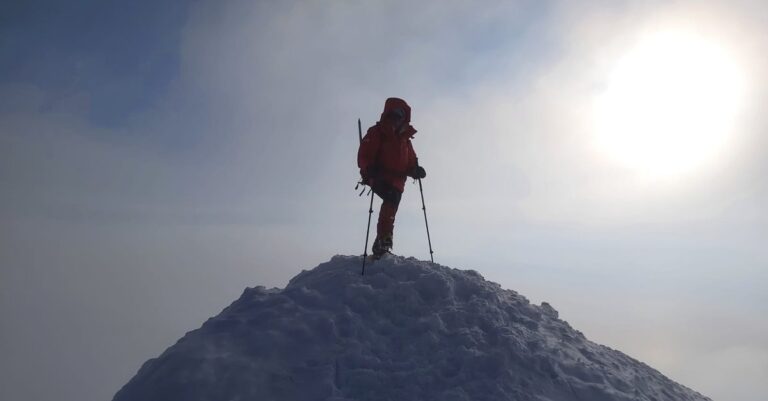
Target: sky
156	158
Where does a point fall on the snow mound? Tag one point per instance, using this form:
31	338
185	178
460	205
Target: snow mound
407	330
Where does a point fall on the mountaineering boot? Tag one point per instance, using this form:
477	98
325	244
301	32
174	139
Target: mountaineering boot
377	250
381	245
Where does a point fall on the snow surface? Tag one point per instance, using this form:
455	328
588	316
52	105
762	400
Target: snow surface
407	330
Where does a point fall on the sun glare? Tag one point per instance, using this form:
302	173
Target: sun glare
670	104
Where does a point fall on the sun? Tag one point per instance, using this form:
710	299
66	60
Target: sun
670	104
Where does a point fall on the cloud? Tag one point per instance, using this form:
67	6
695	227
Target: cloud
244	171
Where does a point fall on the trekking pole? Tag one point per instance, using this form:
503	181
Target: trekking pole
424	208
367	232
370	207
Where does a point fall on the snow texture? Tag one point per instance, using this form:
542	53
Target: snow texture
407	330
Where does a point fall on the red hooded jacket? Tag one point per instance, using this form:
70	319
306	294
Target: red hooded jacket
385	154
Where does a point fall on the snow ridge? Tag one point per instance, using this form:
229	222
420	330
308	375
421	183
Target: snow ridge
407	330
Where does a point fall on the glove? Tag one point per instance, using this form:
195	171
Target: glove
417	172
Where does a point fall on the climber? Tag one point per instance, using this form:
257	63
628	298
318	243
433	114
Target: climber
386	157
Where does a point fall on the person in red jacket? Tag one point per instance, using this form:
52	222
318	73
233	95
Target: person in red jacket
386	158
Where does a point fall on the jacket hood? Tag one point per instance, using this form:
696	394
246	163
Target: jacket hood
396	103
